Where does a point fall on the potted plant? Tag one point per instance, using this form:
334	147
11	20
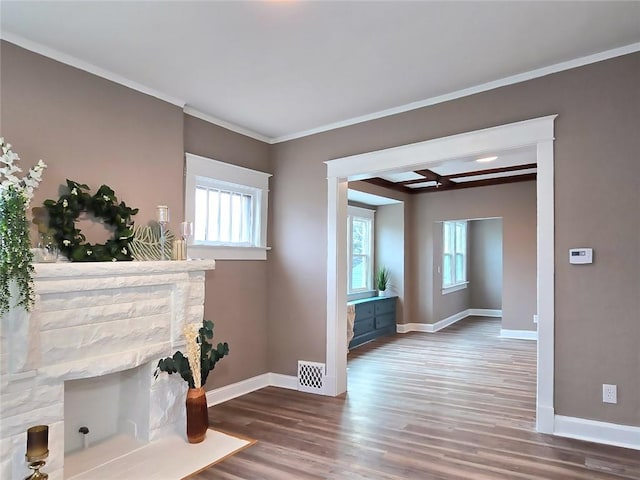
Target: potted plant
16	258
382	280
194	368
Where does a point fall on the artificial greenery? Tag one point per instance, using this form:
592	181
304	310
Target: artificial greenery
382	278
104	206
15	248
209	356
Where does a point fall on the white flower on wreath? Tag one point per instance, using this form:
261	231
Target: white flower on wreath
66	243
8	169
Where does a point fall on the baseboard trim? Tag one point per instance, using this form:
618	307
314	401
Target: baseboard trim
283	381
626	436
434	327
519	334
484	312
414	327
243	387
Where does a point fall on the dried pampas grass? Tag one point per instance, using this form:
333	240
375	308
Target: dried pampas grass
190	332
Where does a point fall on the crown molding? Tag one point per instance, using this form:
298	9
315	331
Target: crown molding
228	125
521	77
87	67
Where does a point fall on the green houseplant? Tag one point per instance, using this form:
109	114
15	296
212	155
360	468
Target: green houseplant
16	257
382	279
194	368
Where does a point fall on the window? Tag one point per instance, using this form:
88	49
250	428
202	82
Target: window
228	207
454	254
360	249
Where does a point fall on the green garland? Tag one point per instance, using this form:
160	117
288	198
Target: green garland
64	212
16	257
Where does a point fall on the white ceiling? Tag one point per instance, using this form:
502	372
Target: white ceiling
369	198
278	70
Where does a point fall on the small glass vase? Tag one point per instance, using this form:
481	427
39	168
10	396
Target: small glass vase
197	416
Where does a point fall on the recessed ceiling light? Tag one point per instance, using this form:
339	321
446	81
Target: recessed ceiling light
486	159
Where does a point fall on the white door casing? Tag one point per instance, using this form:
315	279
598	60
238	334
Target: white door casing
539	133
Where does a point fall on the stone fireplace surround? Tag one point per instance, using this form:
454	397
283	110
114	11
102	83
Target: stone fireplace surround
93	319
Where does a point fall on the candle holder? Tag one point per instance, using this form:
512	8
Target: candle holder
37	451
163	220
186	228
37	474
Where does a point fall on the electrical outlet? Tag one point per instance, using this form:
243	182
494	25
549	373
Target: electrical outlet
609	393
535	318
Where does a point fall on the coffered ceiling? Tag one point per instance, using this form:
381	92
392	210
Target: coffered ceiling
516	165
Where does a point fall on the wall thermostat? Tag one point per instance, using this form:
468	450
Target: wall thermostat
580	255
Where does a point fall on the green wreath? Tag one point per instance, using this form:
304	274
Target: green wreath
64	213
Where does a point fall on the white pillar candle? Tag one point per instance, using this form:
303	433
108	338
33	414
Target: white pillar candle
163	213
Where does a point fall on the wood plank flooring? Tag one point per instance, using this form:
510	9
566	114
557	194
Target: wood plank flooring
458	404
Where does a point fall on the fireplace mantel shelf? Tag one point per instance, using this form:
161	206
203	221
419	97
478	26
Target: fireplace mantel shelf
105	269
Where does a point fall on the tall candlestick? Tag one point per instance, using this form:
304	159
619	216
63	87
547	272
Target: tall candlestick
163	213
163	219
186	228
37	443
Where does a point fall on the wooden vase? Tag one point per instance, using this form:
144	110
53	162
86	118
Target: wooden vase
197	417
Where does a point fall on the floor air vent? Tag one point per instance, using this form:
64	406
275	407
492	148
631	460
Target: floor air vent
310	376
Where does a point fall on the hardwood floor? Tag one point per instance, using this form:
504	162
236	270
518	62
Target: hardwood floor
458	404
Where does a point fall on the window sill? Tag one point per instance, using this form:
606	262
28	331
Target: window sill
455	288
361	295
227	253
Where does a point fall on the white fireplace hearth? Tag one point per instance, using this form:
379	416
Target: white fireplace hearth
92	320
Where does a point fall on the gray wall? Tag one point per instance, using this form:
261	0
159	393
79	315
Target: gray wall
95	131
485	263
241	322
595	205
516	204
389	248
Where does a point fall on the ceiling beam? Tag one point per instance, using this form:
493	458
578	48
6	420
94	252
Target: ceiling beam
381	182
513	168
477	183
429	175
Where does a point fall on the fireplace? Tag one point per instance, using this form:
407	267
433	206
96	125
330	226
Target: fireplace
99	326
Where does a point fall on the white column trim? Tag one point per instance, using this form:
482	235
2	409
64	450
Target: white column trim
546	285
335	381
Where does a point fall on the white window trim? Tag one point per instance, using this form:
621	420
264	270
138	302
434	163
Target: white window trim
454	287
369	214
197	166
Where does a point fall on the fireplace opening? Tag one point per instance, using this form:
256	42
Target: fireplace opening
105	417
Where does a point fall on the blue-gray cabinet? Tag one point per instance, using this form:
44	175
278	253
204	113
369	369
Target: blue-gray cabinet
375	317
